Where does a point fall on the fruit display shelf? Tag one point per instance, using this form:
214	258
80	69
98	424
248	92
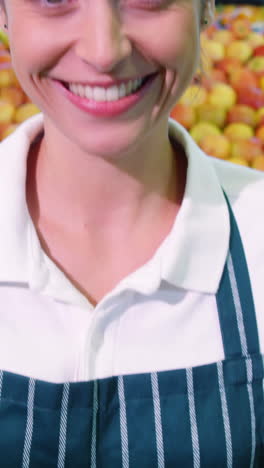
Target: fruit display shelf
223	107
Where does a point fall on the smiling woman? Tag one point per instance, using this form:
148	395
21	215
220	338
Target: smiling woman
131	289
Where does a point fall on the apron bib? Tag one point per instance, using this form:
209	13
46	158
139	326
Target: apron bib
205	416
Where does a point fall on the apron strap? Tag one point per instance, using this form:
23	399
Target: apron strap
234	299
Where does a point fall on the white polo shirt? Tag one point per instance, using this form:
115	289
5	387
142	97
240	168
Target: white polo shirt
162	316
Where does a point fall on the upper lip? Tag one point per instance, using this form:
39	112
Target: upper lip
108	83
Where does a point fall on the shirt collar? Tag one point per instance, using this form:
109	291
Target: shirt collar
191	257
200	235
14	214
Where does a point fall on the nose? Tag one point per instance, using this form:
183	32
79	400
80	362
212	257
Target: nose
102	41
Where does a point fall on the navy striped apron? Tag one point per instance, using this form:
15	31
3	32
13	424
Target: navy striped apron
206	416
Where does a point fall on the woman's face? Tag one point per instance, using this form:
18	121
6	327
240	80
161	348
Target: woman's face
88	43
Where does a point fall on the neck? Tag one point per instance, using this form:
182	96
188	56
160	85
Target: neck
97	193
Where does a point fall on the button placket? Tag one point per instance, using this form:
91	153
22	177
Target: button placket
99	335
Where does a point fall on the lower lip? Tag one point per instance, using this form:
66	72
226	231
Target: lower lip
107	109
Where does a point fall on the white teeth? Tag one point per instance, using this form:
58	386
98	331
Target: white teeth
81	91
122	90
75	88
112	93
101	94
88	92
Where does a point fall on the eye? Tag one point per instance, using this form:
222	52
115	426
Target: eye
140	4
56	3
53	2
147	4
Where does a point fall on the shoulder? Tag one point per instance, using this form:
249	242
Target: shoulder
238	180
245	189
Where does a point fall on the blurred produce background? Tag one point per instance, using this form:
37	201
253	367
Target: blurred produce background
223	108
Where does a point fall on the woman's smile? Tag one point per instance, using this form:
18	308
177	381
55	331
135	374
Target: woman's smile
102	101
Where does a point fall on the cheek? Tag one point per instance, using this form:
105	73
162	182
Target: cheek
179	57
184	46
34	51
178	47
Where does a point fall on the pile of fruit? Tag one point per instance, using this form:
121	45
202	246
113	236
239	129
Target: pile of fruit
15	106
223	109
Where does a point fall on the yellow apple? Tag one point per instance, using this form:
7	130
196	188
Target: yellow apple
222	95
258	163
256	64
239	76
184	114
237	131
224	36
216	145
201	129
213	50
242	113
194	96
246	149
8	130
6	77
239	161
13	95
212	113
7	112
255	39
240	49
25	111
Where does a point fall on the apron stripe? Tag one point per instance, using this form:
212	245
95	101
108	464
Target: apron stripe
239	314
241	273
158	422
123	423
243	340
95	410
63	425
252	411
193	422
228	439
29	426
